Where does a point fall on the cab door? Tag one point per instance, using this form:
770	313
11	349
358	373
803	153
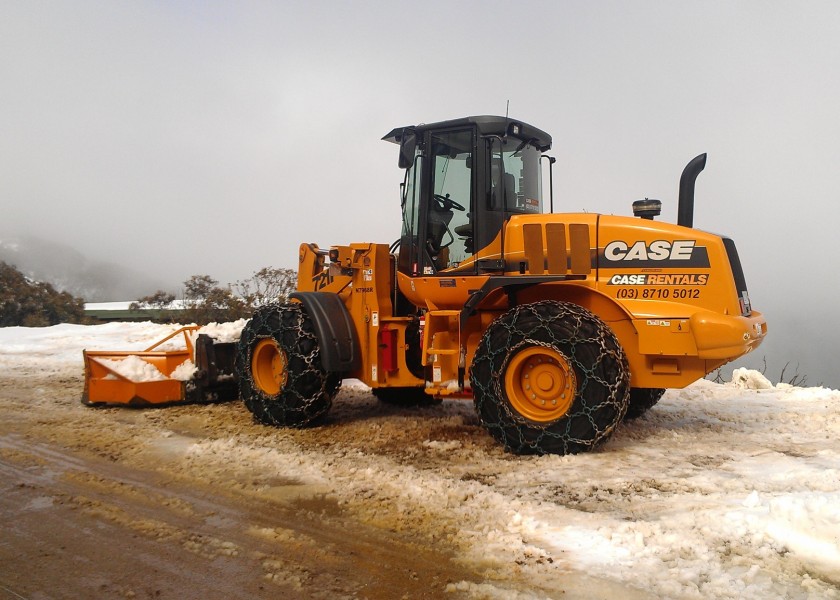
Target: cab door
438	203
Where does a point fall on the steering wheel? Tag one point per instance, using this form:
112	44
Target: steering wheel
447	203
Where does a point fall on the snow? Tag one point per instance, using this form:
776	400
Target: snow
224	332
57	350
721	491
750	380
134	368
184	371
123	305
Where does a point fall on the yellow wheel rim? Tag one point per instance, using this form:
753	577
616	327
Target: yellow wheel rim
540	384
269	367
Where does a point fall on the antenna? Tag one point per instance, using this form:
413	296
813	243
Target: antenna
507	110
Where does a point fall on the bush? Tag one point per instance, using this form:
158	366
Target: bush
28	303
204	301
158	304
267	285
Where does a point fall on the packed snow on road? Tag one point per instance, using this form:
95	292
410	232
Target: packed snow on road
725	490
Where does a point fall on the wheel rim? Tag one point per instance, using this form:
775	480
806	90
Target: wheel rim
540	384
268	367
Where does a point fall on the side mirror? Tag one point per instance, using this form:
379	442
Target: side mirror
408	146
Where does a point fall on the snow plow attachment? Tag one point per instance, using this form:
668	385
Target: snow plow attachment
201	371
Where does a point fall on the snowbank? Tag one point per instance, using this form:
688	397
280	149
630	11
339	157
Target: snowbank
57	350
749	379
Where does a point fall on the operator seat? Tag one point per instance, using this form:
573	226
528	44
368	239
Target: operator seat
466	231
439	219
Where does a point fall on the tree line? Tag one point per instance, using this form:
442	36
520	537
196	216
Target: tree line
28	303
205	301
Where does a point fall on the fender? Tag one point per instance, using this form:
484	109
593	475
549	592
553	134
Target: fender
334	328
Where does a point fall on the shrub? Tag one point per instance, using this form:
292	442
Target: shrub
267	285
28	303
205	301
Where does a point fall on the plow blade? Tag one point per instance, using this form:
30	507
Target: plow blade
202	371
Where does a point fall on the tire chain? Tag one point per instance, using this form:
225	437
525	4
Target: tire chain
308	390
592	350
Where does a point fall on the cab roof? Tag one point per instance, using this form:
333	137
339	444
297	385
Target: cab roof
486	125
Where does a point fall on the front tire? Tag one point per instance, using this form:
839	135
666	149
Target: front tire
550	378
281	378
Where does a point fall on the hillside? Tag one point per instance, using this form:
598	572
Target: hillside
70	271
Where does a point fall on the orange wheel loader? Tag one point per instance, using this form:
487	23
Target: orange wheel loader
557	325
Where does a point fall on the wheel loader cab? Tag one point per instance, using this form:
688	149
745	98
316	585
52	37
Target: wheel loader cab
464	178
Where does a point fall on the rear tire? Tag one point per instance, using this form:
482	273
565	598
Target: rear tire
281	378
550	378
641	401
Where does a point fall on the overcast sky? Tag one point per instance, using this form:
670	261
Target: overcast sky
206	137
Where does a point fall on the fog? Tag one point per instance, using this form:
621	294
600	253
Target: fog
178	138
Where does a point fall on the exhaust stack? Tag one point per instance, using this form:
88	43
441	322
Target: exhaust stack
685	210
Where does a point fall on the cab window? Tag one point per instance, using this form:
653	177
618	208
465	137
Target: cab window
515	181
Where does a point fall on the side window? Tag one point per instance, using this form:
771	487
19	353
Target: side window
449	236
411	198
409	256
515	180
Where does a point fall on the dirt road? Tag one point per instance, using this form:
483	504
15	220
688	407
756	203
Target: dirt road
195	502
